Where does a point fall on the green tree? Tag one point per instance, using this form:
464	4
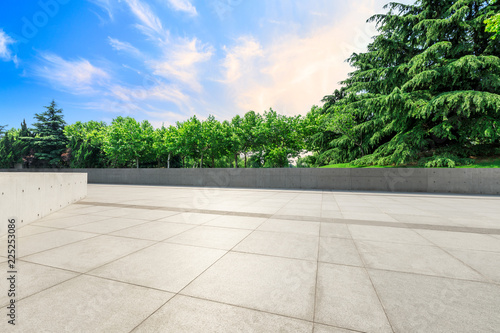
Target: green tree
86	144
15	146
128	141
49	142
493	23
214	140
279	139
189	140
427	87
165	144
250	137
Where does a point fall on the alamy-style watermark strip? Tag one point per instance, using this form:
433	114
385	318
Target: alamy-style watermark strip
11	270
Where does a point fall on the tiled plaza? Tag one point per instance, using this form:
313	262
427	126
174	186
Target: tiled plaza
184	259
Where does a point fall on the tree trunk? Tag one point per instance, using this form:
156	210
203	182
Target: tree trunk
245	160
137	162
201	161
168	161
213	162
235	160
183	164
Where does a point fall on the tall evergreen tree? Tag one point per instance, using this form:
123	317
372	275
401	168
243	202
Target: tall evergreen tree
49	142
428	87
493	23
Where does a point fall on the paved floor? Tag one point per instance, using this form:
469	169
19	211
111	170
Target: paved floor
171	259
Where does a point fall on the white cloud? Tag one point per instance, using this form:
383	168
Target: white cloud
150	23
78	76
124	46
240	58
5	53
106	5
181	62
292	73
183	6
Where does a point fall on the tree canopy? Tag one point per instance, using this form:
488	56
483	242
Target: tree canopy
426	90
49	142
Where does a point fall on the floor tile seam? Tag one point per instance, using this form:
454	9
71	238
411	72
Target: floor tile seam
121	257
93	232
225	227
317	269
461	248
265	220
431	245
364	267
273	256
154	240
79	225
456	258
109	233
484	282
417	226
284	232
35	223
38	233
148	220
245	307
43	219
80	240
436	227
264	311
151	314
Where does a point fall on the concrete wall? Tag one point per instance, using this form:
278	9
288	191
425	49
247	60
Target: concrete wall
471	181
28	196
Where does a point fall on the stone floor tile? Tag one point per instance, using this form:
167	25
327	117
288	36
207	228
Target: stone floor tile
414	259
339	251
417	303
291	226
462	240
288	245
45	241
190	218
213	237
88	304
486	263
31	278
337	230
163	266
155	230
188	314
386	234
67	222
108	225
277	285
240	222
345	298
89	253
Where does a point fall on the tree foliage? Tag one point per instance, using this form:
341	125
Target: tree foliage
427	86
49	142
126	142
493	23
86	144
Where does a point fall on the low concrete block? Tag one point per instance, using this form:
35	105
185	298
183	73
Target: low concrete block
31	196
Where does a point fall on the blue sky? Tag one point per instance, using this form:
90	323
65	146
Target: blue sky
166	60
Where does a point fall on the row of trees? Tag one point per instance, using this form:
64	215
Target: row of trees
427	90
254	140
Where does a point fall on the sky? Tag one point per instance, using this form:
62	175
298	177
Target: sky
167	60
